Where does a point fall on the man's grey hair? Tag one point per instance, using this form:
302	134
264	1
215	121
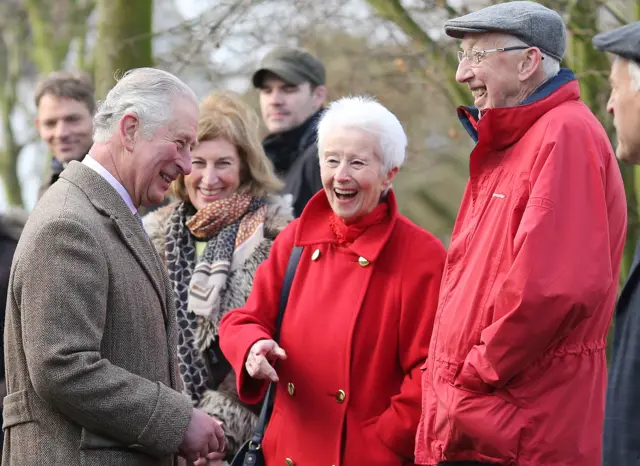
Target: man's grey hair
149	93
366	114
634	73
550	65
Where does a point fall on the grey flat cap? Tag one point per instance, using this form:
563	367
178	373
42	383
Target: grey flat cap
534	24
293	65
624	41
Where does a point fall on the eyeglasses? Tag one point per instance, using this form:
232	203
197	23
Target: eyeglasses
475	56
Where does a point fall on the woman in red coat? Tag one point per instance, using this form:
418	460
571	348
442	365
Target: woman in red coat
360	313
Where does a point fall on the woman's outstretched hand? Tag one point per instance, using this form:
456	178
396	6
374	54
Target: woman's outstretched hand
257	364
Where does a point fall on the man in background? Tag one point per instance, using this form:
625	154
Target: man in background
65	106
291	83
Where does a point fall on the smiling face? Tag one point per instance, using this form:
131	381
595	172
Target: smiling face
154	163
352	173
500	78
624	105
66	125
215	173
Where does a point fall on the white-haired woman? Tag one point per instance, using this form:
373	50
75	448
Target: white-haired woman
360	313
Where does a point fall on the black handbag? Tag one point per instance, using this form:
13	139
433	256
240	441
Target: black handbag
250	454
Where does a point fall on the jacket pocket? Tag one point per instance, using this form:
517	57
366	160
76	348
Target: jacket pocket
17	409
485	425
91	441
374	452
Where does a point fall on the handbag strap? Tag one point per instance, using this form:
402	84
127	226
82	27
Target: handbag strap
265	411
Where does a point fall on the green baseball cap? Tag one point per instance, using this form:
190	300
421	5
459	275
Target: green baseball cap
293	65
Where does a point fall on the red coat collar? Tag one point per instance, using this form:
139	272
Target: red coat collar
502	127
314	228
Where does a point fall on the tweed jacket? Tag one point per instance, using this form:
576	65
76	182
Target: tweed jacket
90	338
223	403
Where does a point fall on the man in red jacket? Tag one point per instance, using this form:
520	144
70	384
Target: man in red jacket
516	373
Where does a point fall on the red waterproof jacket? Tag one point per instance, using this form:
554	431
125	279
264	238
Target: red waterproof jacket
356	331
516	372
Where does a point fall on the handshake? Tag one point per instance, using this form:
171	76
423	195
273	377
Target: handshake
204	441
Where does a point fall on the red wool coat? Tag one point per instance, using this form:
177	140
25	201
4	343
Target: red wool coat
517	369
356	331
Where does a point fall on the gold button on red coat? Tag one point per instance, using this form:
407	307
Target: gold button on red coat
289	462
316	255
291	388
341	396
363	262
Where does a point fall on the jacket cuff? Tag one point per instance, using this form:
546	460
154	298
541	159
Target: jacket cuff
470	379
168	423
250	391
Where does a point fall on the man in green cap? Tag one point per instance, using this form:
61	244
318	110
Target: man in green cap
292	93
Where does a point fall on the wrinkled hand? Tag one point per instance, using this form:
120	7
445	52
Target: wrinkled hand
257	364
213	458
204	436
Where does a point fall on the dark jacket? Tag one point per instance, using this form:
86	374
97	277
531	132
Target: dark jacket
621	445
294	154
11	225
51	175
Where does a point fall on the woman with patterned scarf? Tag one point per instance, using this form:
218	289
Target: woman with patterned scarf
361	308
212	242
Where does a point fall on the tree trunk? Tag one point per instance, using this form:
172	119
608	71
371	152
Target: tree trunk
124	40
53	27
12	39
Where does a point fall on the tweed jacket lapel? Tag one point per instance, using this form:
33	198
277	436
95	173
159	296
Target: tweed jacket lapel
108	202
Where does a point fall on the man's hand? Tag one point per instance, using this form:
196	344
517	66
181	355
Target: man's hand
212	459
204	435
257	365
469	379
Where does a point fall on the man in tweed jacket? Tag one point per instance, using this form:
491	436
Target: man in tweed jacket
90	334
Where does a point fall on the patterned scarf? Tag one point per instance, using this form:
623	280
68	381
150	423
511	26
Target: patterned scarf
225	224
199	283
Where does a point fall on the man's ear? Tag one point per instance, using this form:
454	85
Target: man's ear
531	63
128	130
320	95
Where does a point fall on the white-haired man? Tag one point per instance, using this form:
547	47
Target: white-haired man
90	328
516	371
622	413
